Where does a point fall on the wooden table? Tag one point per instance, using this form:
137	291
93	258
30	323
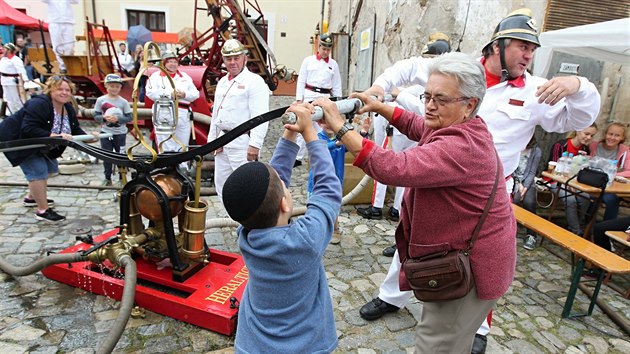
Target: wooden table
622	190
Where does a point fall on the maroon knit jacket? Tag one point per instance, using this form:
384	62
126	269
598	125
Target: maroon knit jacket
449	176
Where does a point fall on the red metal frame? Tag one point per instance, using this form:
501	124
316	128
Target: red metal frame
202	300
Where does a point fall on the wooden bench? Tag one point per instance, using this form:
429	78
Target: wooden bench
584	250
619	236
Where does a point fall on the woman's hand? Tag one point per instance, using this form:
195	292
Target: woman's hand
370	103
375	91
96	137
62	135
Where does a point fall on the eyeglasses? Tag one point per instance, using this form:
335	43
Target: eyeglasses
441	100
59	78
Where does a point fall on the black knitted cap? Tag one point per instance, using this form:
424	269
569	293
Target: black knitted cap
245	190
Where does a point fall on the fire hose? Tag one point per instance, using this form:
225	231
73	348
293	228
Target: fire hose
128	296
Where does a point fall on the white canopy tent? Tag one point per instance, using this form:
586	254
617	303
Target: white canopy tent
607	41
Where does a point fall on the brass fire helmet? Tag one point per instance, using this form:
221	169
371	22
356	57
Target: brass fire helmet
147	202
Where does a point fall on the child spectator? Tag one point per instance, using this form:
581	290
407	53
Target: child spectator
524	192
612	147
338	154
286	306
114	113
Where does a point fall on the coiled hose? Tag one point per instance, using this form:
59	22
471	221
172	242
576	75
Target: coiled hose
126	303
57	258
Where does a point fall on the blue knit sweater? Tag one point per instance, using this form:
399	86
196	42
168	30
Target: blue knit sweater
286	306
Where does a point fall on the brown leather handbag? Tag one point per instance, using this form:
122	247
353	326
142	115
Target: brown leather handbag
446	275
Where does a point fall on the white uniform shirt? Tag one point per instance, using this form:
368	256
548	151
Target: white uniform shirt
126	61
13	65
60	11
238	100
511	113
158	85
318	73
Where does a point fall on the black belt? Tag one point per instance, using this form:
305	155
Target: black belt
10	75
318	89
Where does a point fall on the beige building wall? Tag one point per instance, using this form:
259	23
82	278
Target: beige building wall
403	26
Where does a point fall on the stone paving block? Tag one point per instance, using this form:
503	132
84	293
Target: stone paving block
12	348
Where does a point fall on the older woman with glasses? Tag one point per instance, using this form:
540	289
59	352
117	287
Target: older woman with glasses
48	115
449	177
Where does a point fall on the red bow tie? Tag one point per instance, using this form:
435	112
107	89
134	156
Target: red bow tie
320	58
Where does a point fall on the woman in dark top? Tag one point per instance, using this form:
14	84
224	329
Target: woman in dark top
48	115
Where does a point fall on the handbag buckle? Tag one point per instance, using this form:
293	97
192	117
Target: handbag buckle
433	283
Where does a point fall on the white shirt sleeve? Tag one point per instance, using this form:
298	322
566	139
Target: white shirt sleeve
412	71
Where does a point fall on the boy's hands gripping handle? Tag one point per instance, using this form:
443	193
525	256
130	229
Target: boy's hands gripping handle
350	105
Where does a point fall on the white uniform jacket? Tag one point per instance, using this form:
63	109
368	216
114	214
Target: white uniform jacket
238	100
126	61
158	85
318	73
12	66
511	113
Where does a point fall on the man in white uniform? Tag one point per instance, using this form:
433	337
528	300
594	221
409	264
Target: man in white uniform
12	76
158	86
409	99
514	104
61	28
319	77
240	95
125	59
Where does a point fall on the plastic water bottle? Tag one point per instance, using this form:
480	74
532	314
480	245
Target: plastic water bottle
568	168
562	163
611	171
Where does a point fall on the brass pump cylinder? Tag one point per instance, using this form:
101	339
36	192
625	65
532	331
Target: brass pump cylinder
194	230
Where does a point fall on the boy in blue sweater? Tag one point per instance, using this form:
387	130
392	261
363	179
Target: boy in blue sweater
286	306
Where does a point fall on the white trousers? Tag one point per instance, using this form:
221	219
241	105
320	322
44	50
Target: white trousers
11	96
62	38
399	143
182	133
389	292
229	159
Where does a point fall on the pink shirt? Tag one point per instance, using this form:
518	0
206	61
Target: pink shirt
449	176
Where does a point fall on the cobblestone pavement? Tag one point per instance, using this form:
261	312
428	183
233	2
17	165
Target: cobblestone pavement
38	315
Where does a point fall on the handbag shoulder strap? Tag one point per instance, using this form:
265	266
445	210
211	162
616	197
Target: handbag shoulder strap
482	219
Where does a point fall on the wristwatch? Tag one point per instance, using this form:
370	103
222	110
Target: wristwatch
344	129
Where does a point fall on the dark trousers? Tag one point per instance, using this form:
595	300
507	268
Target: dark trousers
528	202
599	230
115	143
